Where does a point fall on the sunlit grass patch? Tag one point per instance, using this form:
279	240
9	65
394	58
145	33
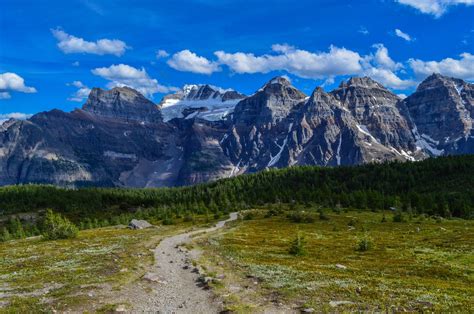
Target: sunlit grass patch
413	265
44	275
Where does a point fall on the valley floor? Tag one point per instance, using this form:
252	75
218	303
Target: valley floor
416	265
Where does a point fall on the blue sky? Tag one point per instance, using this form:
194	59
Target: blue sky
53	52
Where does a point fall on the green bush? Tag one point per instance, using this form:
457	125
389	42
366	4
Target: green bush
5	235
398	216
249	216
364	244
297	246
56	227
300	217
168	220
189	217
323	216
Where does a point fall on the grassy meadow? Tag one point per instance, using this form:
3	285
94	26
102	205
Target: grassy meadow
76	274
420	264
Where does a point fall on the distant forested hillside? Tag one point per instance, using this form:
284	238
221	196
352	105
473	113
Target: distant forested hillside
442	186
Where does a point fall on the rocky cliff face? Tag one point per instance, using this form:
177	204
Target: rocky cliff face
119	138
442	112
122	103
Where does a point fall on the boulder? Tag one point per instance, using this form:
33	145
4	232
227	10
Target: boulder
139	224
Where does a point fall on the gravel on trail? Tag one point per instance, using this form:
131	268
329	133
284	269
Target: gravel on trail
175	286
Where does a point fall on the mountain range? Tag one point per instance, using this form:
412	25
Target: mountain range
202	133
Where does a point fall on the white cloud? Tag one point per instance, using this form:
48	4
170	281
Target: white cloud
188	61
388	78
82	92
76	64
434	7
13	115
124	75
403	35
301	63
162	54
460	68
72	44
383	69
13	82
383	59
363	30
306	64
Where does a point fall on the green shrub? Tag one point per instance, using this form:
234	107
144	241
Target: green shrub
168	221
5	235
364	244
323	216
300	217
189	217
249	216
297	246
56	226
352	222
273	212
398	216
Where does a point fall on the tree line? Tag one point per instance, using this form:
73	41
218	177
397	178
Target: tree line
437	186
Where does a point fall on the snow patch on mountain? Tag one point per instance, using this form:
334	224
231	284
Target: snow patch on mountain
207	102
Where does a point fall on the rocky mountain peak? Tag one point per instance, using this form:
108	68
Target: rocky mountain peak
442	108
204	101
437	80
280	80
121	102
361	82
270	103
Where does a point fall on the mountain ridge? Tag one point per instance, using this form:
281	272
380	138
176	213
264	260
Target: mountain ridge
120	138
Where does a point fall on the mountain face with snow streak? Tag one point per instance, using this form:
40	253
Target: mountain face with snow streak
200	101
203	133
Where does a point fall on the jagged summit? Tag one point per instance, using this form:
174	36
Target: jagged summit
121	102
437	80
204	101
363	82
281	80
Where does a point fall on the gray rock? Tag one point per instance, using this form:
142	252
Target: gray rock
340	266
139	224
337	303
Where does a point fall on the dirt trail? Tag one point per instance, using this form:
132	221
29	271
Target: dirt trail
175	287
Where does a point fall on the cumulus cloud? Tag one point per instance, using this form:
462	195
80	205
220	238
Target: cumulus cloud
162	54
71	44
13	115
188	61
13	82
434	7
382	68
388	78
460	68
81	93
403	35
302	63
124	75
383	59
